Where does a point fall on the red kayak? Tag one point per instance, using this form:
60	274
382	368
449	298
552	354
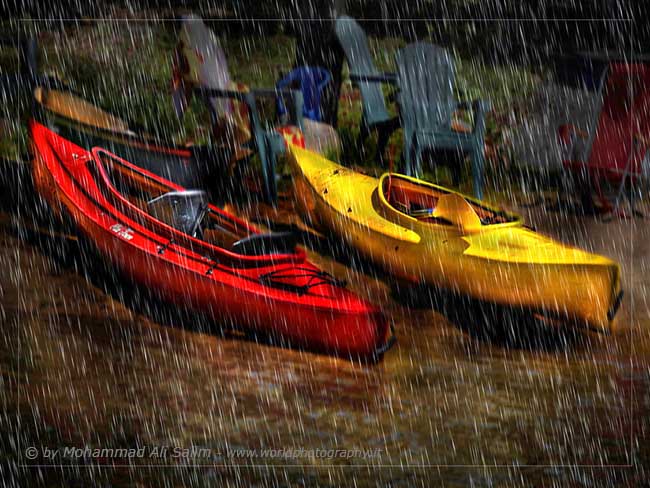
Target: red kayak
190	253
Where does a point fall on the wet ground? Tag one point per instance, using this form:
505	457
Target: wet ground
87	360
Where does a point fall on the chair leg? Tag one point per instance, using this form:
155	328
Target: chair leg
364	133
621	188
267	158
596	183
620	194
419	152
382	141
273	181
456	172
407	150
478	163
586	193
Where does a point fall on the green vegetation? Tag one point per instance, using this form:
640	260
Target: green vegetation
126	69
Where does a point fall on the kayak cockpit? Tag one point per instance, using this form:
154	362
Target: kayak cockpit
432	204
183	210
186	211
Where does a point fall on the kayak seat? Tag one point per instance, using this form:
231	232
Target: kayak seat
182	210
455	209
261	244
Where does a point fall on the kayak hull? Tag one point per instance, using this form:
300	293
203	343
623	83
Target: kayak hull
569	284
332	320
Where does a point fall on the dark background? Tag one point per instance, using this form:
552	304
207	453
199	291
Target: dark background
525	31
528	33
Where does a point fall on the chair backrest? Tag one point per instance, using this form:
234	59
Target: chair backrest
425	76
180	209
592	81
312	81
354	42
625	114
208	66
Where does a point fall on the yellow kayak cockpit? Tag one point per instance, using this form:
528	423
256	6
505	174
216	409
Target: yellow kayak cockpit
428	203
478	224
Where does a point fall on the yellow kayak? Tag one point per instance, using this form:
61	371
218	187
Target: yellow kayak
427	234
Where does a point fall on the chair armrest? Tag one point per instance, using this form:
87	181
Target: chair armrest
479	108
274	93
220	93
482	105
270	92
250	99
241	95
475	105
390	78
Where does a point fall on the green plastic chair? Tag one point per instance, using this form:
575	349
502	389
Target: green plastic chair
209	65
425	78
266	140
368	79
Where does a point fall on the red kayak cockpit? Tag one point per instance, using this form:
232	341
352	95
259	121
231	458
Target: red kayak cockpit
188	211
185	216
165	210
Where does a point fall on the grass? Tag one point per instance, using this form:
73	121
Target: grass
126	69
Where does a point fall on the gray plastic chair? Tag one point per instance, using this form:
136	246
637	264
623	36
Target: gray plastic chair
425	78
365	75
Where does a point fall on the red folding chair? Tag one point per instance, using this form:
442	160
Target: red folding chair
616	152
